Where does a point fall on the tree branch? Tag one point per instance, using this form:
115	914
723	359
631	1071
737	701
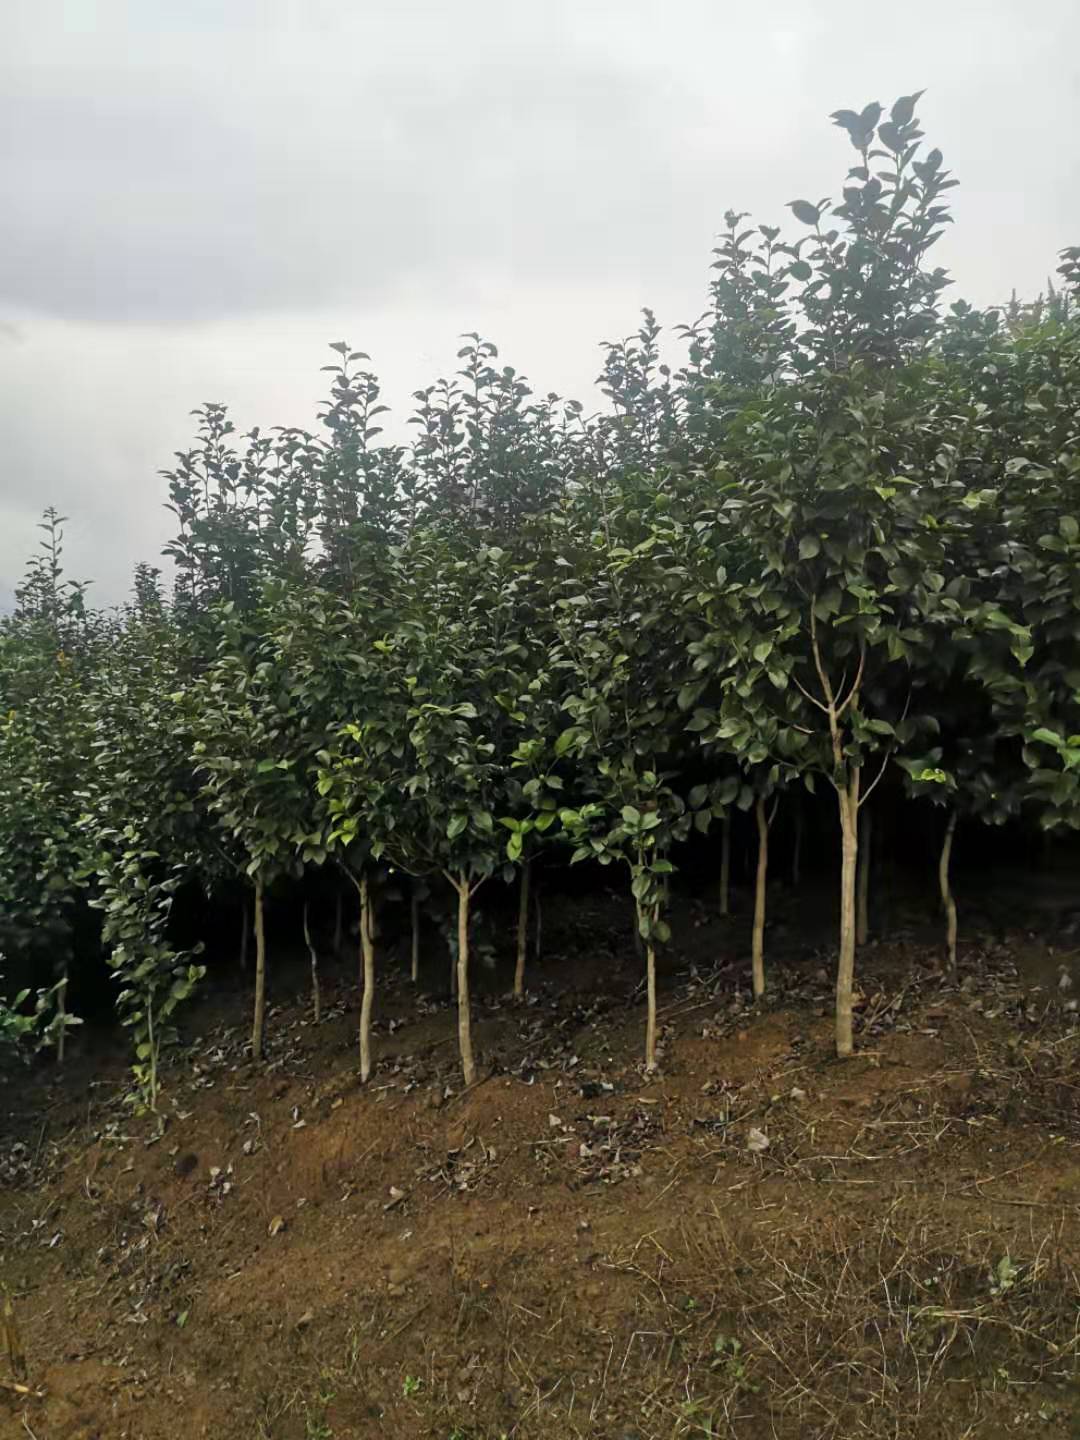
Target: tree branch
874	783
813	700
857	682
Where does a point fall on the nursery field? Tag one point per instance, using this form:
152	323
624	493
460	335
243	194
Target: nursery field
539	921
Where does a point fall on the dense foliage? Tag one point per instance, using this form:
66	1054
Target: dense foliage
840	545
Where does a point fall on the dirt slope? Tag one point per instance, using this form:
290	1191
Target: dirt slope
759	1241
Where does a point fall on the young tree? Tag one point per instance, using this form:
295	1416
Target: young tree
255	735
49	649
416	777
618	657
825	541
144	831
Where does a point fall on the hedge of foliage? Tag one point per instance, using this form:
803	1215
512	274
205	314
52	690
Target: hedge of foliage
842	541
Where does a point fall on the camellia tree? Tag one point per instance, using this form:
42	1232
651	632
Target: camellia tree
253	743
144	833
617	659
828	548
50	648
418	778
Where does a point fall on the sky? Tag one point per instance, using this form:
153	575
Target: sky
201	197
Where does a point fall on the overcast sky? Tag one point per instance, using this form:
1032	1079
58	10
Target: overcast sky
199	197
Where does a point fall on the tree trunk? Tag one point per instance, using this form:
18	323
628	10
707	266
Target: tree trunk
245	933
337	923
414	933
946	891
848	798
260	975
796	853
61	1014
725	866
468	1068
367	956
522	931
650	987
862	918
758	947
316	995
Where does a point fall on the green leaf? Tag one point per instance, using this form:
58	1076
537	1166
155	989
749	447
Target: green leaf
809	546
804	211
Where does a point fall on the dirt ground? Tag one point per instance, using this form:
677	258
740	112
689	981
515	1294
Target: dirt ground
759	1241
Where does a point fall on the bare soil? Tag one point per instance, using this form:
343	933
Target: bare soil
759	1241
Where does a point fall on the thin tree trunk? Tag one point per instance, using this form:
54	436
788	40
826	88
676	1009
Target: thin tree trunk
946	891
338	921
522	931
367	955
650	988
725	866
260	975
862	919
414	932
316	995
796	853
848	797
468	1067
61	1014
758	947
245	933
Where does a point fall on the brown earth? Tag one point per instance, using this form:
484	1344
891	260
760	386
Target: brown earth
759	1241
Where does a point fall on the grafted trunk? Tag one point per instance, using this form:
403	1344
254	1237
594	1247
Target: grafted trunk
947	899
316	994
414	932
725	866
645	917
758	945
862	916
260	975
468	1067
522	931
848	798
367	958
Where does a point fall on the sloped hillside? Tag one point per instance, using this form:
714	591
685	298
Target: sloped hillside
761	1240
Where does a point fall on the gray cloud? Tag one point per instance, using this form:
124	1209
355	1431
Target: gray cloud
203	195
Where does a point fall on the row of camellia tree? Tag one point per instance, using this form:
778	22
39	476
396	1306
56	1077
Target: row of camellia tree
841	542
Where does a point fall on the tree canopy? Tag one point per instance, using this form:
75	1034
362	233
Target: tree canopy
838	544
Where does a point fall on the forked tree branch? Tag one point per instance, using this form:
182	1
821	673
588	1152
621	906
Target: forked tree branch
857	682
